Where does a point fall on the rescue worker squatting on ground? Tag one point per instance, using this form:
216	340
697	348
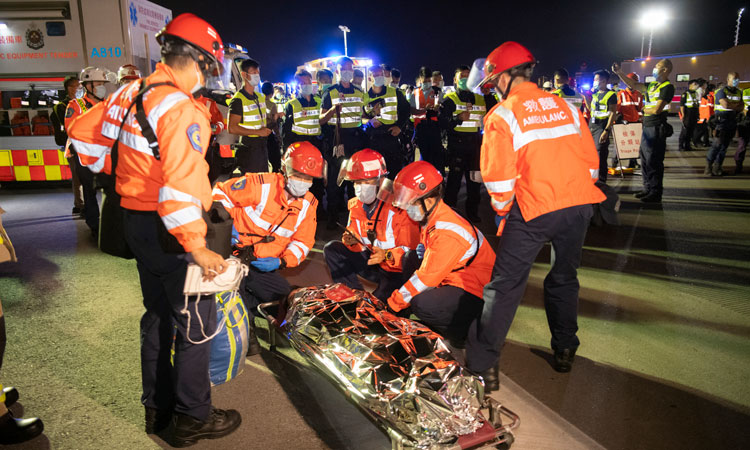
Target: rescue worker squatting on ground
380	240
539	165
167	193
275	222
445	292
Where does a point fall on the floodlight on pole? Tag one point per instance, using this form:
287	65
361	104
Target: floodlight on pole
650	20
345	29
737	28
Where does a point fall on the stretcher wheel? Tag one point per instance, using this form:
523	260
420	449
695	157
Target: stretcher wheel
509	439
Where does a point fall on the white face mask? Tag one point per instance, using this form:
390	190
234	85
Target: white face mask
388	81
441	84
366	193
253	79
80	92
100	92
426	86
595	86
415	212
347	76
298	188
198	85
306	89
378	81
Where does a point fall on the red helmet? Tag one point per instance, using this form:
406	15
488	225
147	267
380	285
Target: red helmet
634	76
303	157
507	56
196	32
364	165
414	182
128	72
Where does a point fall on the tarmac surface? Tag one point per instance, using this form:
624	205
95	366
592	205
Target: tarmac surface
664	320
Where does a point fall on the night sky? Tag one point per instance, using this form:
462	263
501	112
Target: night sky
283	34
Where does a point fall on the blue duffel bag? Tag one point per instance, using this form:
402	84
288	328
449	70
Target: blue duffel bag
228	348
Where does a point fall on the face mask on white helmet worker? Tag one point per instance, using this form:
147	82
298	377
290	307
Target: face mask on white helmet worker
366	193
415	212
298	188
347	76
100	92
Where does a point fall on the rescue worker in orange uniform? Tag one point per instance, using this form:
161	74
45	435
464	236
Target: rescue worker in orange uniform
380	240
93	80
275	221
705	112
165	187
539	164
446	291
630	102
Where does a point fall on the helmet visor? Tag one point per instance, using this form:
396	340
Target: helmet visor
385	193
343	171
476	76
403	196
220	79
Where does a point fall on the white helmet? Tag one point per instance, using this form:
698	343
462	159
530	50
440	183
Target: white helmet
128	72
96	74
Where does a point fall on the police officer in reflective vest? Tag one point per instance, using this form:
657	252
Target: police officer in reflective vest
248	115
461	114
689	108
342	107
728	105
563	89
389	111
603	108
302	123
658	95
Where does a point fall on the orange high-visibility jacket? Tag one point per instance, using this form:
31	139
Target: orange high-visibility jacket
538	151
217	120
259	206
394	231
706	109
75	108
629	104
176	185
450	242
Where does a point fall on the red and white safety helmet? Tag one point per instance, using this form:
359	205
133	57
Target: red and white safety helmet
195	31
303	157
634	76
505	57
364	165
96	74
128	72
414	182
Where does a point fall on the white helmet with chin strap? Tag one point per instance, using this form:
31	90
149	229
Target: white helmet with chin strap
96	74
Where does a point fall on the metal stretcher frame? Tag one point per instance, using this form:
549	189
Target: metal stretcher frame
494	434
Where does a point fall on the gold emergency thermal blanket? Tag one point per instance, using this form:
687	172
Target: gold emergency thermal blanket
396	369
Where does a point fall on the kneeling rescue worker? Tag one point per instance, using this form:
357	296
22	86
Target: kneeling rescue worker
275	221
165	185
446	291
539	164
380	239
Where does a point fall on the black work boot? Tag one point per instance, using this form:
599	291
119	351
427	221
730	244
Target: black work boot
564	359
738	169
15	431
253	346
11	395
641	194
716	170
157	420
491	379
707	170
188	430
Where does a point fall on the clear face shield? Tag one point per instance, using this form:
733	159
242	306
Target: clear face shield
219	76
476	76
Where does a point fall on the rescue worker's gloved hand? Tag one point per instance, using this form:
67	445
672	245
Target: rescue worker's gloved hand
420	251
267	264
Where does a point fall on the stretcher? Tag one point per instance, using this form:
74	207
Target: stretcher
397	371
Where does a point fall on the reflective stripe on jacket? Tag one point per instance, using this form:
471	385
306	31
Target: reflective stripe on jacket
538	150
476	115
259	207
630	104
394	231
177	184
450	243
